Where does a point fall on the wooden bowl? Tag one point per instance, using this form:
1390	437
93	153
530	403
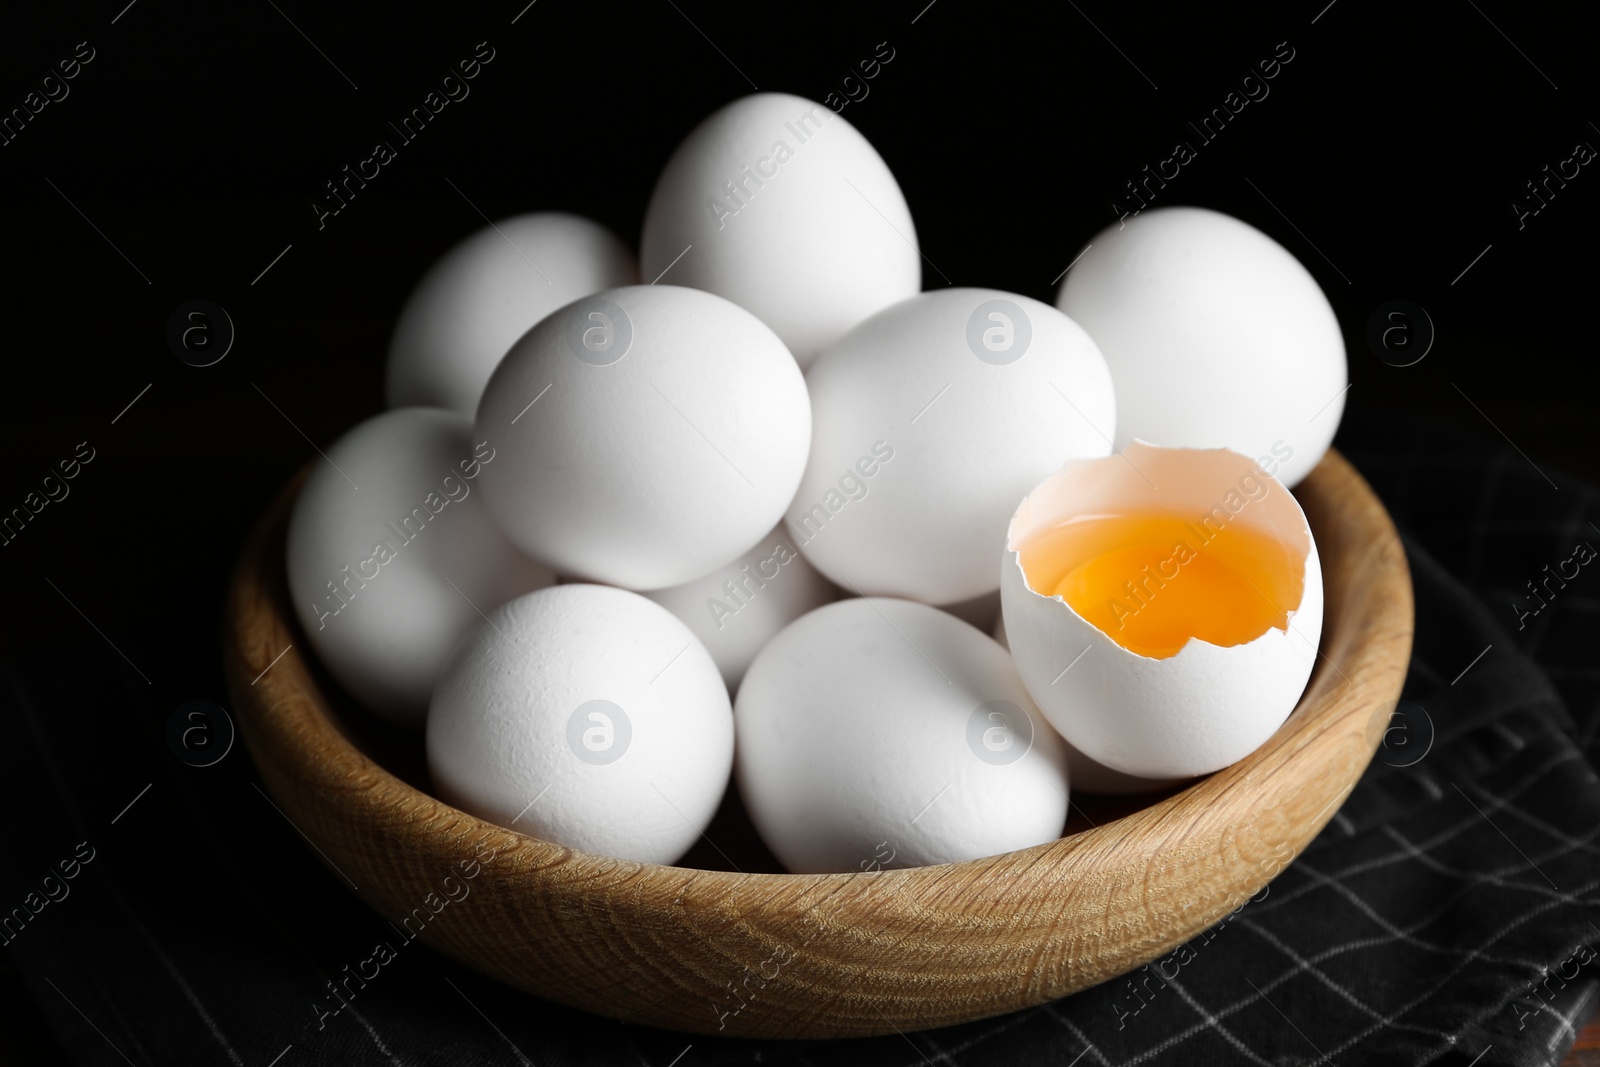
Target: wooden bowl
781	955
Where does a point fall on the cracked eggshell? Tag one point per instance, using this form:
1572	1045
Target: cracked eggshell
735	610
931	419
648	435
370	569
483	294
1216	335
783	207
1086	775
587	716
1191	713
875	732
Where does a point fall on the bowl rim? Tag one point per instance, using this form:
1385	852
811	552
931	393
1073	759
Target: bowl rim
313	768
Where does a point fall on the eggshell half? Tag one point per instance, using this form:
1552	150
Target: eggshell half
1088	776
1203	708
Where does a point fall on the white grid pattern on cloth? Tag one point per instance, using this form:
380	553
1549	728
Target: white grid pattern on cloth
192	997
1512	738
1450	528
1306	966
1213	1019
1444	836
1515	875
1567	845
1007	1022
1072	1028
1396	933
1504	804
1384	1021
376	1040
1213	1022
1567	1024
1492	878
1504	801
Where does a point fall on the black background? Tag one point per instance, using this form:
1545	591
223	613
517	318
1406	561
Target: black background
187	154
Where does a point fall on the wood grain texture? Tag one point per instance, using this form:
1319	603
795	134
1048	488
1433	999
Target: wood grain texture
778	955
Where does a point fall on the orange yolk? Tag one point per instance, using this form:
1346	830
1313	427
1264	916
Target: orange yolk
1152	581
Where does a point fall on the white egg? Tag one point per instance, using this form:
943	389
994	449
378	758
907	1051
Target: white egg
884	733
1086	775
392	555
1215	334
930	420
587	716
484	293
737	609
781	206
648	435
1209	704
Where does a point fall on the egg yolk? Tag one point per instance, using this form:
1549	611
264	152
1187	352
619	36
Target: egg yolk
1152	581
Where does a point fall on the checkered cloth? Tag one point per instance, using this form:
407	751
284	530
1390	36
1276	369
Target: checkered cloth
1446	915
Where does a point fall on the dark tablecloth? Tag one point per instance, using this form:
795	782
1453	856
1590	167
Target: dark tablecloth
1446	915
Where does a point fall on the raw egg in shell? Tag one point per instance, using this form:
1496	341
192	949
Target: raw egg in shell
1163	606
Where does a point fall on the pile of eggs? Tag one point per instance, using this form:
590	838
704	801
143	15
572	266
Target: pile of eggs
907	566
